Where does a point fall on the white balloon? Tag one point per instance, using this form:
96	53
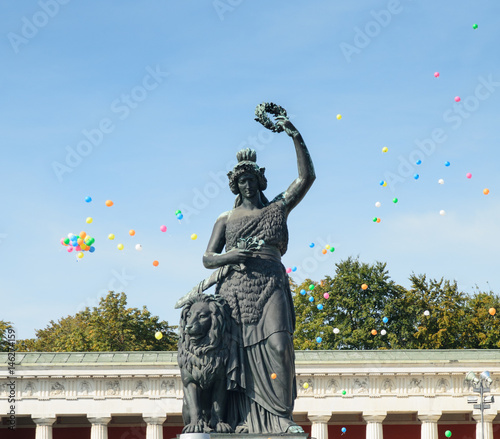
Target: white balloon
442	213
383	332
441	181
378	204
138	247
427	313
336	330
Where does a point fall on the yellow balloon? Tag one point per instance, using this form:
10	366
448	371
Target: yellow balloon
385	184
89	220
194	236
339	116
158	335
119	246
305	385
80	255
385	149
327	246
111	236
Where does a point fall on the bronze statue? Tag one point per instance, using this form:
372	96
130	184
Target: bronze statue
251	278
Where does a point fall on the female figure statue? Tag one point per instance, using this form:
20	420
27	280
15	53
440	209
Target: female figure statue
261	368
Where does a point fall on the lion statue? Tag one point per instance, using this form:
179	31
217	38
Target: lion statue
202	356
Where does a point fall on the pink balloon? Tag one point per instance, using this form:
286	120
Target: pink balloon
326	296
70	249
163	228
62	241
436	75
457	98
78	248
288	270
468	175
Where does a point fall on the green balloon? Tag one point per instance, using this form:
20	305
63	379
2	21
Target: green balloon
177	212
474	26
66	241
447	433
395	200
332	249
374	220
311	287
343	392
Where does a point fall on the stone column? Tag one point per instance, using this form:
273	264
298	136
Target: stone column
319	428
43	426
488	425
154	429
99	428
374	424
429	426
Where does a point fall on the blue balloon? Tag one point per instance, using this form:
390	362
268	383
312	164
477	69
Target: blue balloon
303	292
311	244
319	339
92	249
416	176
88	199
385	319
447	163
294	268
180	216
311	299
320	306
382	182
343	429
419	162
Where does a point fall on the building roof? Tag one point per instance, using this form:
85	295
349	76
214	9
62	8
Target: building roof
302	357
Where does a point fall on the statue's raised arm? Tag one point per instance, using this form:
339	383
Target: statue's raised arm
299	187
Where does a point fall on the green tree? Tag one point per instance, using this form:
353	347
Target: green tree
111	326
481	329
355	311
4	332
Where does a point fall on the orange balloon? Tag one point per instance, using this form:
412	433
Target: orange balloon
155	263
486	191
273	376
324	251
80	241
83	235
374	332
364	287
109	203
131	232
378	220
492	311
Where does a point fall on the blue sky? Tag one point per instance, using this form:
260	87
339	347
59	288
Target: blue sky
166	92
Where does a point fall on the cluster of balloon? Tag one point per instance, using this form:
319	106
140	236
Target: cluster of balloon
290	269
376	219
179	214
79	243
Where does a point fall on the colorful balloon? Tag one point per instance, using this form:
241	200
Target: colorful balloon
339	116
378	220
378	204
343	392
194	236
486	191
336	330
319	339
156	263
332	249
418	162
385	149
88	199
70	249
441	181
303	292
436	75
395	200
305	385
374	332
447	433
83	235
89	220
311	299
111	236
158	335
385	319
273	376
138	247
427	313
492	311
163	228
180	216
80	255
294	268
311	244
177	212
131	232
416	176
474	26
442	212
326	296
364	287
109	203
324	251
92	249
383	332
119	246
320	306
311	287
447	163
343	430
457	99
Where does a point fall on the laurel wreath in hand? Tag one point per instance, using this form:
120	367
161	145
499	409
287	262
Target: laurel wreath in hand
262	117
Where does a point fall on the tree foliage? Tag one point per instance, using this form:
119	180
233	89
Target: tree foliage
431	314
111	326
4	327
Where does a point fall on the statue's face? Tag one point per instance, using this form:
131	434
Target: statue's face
248	185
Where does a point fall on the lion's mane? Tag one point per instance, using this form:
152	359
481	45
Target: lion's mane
203	359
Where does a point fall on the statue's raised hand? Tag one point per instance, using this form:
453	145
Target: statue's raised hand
286	125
